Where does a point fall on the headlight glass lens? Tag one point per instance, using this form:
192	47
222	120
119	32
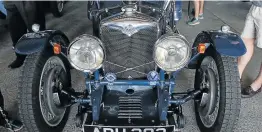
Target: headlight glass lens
86	53
171	52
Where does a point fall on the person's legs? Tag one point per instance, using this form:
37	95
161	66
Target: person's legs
196	4
3	113
20	19
195	21
5	120
1	100
255	87
16	24
17	29
258	24
248	36
243	60
40	19
201	10
34	14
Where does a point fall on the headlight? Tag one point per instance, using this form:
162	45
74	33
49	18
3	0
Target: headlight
86	53
171	52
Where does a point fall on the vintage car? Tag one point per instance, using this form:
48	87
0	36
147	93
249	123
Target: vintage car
130	64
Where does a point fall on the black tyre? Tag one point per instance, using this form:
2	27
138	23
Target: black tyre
57	7
218	110
39	106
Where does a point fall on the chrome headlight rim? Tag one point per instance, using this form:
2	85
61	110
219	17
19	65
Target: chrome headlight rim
79	38
179	36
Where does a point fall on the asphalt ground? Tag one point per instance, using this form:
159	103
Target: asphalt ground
74	22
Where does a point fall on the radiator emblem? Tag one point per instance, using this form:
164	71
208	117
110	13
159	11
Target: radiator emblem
129	30
130	77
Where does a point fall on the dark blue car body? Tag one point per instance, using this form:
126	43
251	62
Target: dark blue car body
3	12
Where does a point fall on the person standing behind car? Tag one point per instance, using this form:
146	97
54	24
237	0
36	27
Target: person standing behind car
21	15
5	120
199	10
252	32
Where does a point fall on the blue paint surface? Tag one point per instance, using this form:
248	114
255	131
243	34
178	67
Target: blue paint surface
228	43
231	47
2	8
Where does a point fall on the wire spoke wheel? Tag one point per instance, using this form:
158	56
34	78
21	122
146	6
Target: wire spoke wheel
49	90
217	76
208	106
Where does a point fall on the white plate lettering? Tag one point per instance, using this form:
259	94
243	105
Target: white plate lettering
136	130
148	130
132	130
108	130
161	130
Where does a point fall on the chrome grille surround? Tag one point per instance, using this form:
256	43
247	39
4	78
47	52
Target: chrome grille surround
129	40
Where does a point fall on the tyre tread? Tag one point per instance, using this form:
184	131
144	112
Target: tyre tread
229	107
25	101
233	92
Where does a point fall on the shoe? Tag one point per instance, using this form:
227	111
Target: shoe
249	92
201	16
16	125
17	62
193	21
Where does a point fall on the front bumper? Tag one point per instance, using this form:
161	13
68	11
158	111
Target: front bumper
97	128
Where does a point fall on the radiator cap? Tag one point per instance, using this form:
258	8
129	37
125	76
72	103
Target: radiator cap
35	27
225	29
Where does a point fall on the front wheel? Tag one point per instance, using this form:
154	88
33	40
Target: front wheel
40	106
218	108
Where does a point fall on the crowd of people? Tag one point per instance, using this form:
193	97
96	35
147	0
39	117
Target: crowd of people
22	15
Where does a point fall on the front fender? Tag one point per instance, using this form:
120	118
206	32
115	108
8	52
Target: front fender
229	44
36	42
43	42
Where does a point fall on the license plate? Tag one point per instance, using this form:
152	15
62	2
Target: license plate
91	128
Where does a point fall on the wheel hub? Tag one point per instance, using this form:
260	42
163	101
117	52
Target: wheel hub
208	99
204	99
207	105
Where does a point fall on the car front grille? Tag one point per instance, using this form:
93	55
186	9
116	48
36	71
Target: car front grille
125	51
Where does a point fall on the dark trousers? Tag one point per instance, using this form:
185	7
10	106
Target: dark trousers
1	100
2	119
22	15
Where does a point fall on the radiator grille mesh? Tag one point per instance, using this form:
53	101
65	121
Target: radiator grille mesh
123	51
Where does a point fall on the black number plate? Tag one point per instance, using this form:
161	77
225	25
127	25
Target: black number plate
90	128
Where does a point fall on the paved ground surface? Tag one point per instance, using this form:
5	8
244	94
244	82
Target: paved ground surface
74	22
